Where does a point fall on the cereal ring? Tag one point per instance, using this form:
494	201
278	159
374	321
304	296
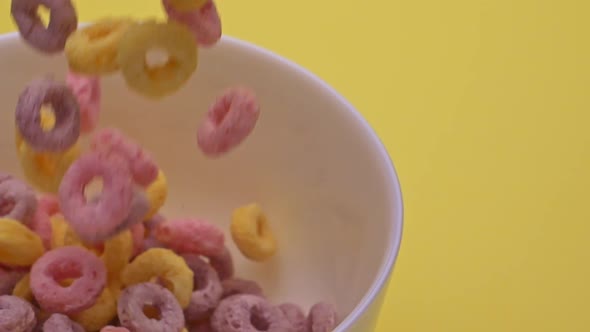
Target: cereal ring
64	263
295	316
223	264
116	255
87	91
9	279
22	288
49	204
157	192
186	5
247	313
17	314
19	246
100	314
137	234
207	293
203	22
166	265
191	236
61	323
322	318
252	234
17	201
41	224
63	21
94	222
45	170
204	326
157	81
113	329
237	286
229	120
66	131
135	301
112	142
93	50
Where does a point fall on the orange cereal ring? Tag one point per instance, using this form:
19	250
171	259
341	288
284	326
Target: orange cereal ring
93	50
157	80
165	265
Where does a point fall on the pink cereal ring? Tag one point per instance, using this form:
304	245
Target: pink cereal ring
16	315
87	91
110	141
191	236
223	264
97	220
230	119
113	329
49	204
322	318
137	234
61	323
64	263
204	22
41	224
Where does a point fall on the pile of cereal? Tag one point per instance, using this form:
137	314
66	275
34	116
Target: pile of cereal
76	260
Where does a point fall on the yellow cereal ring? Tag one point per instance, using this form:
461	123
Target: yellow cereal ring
165	265
252	234
22	288
62	234
116	255
93	50
100	314
19	246
45	169
188	5
157	81
157	192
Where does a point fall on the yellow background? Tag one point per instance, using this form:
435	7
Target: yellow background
484	106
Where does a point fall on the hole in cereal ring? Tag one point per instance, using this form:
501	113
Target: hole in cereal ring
152	312
93	189
260	225
67	274
158	64
47	115
44	15
6	205
258	320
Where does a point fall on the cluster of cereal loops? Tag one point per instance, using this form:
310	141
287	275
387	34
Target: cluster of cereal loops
76	260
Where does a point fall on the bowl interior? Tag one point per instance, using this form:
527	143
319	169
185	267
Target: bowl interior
315	167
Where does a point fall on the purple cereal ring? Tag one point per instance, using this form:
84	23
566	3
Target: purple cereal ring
98	220
110	141
295	316
322	318
64	263
66	130
223	264
207	293
204	22
61	323
87	91
134	300
17	201
16	315
230	119
63	21
236	286
248	313
8	279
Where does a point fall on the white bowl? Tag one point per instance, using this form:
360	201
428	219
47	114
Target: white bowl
324	179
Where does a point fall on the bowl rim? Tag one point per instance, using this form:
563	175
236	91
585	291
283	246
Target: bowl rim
380	282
